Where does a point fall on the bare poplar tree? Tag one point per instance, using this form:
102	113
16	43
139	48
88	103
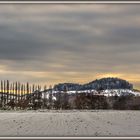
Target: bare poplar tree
30	89
44	96
36	88
11	88
27	88
33	90
1	86
16	91
50	96
65	98
4	86
45	90
24	90
13	91
30	92
21	92
7	89
2	92
8	86
45	87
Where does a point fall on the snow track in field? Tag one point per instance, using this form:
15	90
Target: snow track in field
70	123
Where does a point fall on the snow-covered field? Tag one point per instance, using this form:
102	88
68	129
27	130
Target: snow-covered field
70	123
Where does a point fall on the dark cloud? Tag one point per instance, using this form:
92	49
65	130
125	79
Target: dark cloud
70	41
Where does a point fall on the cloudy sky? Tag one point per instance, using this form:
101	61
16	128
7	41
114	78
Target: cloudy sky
52	43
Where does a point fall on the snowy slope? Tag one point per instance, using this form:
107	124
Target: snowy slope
107	92
120	92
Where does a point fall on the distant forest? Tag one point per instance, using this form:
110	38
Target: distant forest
17	96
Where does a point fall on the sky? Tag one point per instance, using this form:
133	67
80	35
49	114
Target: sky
56	43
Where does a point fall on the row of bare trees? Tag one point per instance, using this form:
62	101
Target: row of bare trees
18	88
14	93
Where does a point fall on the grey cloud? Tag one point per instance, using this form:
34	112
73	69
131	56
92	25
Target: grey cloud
81	39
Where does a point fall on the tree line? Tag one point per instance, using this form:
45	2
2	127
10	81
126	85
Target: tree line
18	88
15	95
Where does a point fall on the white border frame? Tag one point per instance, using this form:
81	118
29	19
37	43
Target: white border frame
70	2
69	138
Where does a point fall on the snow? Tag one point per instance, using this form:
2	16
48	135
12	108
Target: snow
119	92
47	95
108	92
53	98
70	123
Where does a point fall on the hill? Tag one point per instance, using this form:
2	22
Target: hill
98	84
